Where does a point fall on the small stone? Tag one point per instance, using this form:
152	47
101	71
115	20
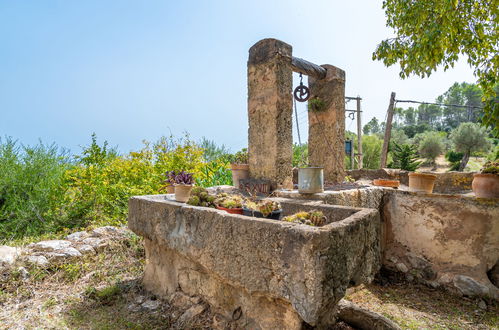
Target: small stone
38	260
181	300
50	246
86	249
133	308
139	299
151	304
191	313
8	254
445	279
470	287
195	299
433	284
96	243
402	267
482	304
78	236
107	231
23	272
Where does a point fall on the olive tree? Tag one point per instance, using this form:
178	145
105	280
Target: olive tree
468	138
431	146
435	33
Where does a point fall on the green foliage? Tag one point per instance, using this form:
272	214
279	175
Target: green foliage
316	104
491	168
212	151
470	137
454	158
431	146
436	32
215	173
405	157
32	189
240	157
372	127
300	155
371	148
399	137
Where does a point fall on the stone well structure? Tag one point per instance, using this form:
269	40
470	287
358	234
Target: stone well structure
278	274
270	108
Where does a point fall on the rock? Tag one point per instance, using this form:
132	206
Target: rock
181	300
139	299
96	243
195	299
38	260
23	272
49	246
107	231
363	318
8	255
469	287
151	304
78	236
402	267
86	249
61	255
494	275
133	308
191	313
482	304
445	279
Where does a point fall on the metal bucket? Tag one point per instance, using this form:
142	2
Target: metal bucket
310	180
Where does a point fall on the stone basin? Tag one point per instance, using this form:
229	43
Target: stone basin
278	274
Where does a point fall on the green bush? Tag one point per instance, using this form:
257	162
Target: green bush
405	157
371	149
431	146
32	189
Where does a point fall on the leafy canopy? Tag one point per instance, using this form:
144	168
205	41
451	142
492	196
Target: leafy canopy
436	32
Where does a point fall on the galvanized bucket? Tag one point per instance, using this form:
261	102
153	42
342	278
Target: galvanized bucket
310	180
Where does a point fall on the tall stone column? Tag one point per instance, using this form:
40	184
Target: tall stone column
326	133
270	136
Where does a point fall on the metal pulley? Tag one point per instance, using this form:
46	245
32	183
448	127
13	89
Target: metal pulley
301	93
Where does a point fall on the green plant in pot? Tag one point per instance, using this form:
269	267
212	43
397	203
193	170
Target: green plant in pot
183	182
311	218
263	209
486	183
239	166
201	197
229	203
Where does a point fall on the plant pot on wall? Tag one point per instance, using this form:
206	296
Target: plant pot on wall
239	172
183	192
170	189
485	185
422	182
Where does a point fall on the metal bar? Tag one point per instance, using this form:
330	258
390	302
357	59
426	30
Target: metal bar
439	104
359	135
308	68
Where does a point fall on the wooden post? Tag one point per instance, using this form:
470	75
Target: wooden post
388	131
359	135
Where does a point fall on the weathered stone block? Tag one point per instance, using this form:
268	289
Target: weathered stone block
279	274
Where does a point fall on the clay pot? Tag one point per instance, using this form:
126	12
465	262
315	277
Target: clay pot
485	185
170	189
386	183
183	192
231	211
239	172
422	182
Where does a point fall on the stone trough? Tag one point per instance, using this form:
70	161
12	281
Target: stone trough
259	273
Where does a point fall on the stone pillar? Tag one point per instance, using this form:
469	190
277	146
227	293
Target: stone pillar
270	104
326	133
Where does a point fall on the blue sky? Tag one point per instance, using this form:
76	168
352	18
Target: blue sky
135	70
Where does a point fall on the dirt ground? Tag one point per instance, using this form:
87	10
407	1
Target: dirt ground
104	291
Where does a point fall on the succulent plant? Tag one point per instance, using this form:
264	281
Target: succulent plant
266	207
240	157
229	201
312	218
183	178
491	167
201	197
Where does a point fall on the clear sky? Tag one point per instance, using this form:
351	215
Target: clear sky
134	70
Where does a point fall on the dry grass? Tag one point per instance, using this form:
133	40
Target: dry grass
102	292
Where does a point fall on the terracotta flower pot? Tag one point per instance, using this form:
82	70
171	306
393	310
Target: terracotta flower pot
422	182
239	172
231	211
170	189
386	183
183	192
486	185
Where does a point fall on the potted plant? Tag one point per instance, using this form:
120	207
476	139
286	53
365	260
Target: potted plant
311	218
239	166
201	197
422	182
230	203
169	182
183	182
263	209
486	183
